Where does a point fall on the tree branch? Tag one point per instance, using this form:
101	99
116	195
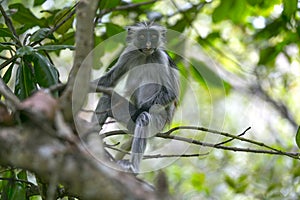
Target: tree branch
124	7
78	171
227	141
8	94
159	155
167	135
278	105
72	102
192	141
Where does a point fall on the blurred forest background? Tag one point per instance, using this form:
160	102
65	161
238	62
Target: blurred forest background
244	73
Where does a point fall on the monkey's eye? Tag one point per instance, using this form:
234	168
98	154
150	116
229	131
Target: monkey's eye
153	36
142	36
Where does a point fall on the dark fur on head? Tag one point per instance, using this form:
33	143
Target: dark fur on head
132	31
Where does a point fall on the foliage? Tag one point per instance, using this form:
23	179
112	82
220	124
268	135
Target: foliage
255	44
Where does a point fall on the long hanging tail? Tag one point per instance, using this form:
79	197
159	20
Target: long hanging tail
141	132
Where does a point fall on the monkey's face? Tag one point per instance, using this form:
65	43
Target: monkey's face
147	40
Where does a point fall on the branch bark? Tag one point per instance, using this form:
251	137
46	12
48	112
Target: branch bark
30	148
86	10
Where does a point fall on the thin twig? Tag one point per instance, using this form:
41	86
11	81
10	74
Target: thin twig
112	133
145	157
96	88
10	26
57	87
124	7
226	135
226	141
272	150
192	141
187	18
57	25
8	61
175	156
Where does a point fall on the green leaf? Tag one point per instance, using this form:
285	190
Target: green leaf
68	38
40	34
272	29
212	36
113	29
238	11
25	83
61	16
234	10
221	12
6	45
38	2
7	74
54	47
254	2
5	32
6	185
18	191
203	74
24	16
45	73
298	137
290	7
25	50
268	55
104	4
198	180
180	25
230	181
22	175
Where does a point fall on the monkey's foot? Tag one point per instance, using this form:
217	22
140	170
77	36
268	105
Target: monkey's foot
127	166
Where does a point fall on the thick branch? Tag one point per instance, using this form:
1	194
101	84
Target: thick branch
29	148
86	10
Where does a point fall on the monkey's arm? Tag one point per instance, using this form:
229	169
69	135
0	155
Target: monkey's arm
167	94
110	79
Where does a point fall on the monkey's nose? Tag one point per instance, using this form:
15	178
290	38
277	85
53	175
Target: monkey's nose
148	45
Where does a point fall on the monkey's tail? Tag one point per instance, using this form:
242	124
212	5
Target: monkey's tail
141	132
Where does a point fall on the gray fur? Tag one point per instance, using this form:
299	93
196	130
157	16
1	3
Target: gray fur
151	86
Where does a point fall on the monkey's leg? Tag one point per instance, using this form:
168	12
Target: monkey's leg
115	106
121	110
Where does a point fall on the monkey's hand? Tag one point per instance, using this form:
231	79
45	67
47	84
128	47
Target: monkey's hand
164	98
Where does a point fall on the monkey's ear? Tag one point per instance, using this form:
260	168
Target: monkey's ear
129	33
128	28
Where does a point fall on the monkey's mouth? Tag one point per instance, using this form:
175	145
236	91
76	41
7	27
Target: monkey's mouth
147	51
